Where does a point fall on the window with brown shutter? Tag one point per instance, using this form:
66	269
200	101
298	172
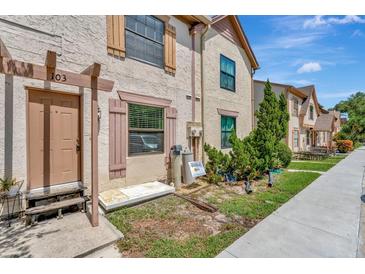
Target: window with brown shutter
117	138
170	49
116	35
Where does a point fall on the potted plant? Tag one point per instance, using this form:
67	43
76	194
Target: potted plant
6	184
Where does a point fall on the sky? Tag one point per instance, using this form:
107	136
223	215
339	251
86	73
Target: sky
327	51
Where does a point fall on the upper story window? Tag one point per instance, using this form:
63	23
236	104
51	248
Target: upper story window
227	73
311	112
144	39
228	124
295	107
146	129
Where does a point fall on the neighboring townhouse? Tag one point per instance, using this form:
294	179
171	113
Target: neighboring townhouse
308	115
295	99
99	100
228	66
326	126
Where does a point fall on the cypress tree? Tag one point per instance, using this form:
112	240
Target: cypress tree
269	129
283	117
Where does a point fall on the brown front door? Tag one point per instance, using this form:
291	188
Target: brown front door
54	138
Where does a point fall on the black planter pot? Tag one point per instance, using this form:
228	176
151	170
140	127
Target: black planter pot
271	179
248	187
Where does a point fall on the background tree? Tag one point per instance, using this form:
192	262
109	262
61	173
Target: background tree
354	106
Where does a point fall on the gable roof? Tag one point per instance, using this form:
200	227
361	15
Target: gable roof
242	38
310	92
324	122
289	88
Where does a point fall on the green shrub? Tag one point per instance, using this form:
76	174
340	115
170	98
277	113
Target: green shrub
284	154
218	163
244	157
214	178
340	136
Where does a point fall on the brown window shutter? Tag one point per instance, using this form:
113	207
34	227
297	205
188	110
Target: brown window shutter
170	49
117	138
170	130
116	35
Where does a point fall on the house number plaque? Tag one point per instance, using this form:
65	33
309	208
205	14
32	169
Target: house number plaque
58	77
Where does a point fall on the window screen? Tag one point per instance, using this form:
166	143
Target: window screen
228	73
144	39
146	129
228	124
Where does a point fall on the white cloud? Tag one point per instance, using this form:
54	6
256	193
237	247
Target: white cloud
309	67
318	21
357	33
348	19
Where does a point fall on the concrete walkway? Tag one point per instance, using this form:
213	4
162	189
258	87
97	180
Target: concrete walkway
72	236
323	220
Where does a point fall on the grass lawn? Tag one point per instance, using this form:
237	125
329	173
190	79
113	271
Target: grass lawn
322	165
172	227
260	204
317	166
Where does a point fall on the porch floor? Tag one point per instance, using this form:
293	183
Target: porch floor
115	198
72	236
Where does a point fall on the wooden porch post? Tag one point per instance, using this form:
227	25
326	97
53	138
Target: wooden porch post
94	157
94	71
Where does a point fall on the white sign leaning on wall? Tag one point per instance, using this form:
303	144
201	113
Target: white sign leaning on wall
196	169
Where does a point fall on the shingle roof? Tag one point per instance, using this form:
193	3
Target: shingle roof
310	91
324	122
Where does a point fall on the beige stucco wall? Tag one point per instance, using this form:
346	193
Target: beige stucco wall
80	41
215	97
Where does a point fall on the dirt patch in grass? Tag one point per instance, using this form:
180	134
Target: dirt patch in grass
173	227
166	219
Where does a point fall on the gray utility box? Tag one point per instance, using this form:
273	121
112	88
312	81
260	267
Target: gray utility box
175	154
187	176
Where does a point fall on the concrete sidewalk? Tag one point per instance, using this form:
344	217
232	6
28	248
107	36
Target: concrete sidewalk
321	221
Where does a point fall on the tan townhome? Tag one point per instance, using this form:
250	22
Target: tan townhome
308	127
308	115
295	99
228	66
97	101
326	126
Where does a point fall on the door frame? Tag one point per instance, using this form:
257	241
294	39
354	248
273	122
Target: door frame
81	129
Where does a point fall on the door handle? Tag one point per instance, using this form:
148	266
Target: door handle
78	146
